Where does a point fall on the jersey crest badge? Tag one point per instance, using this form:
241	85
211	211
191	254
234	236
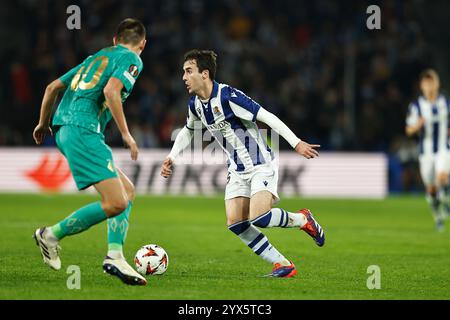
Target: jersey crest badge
110	166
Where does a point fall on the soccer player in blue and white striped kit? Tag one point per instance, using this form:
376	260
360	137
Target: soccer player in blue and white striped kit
428	117
251	189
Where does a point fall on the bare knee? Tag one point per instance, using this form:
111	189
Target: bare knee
114	207
443	180
128	185
237	210
234	220
431	190
257	212
260	203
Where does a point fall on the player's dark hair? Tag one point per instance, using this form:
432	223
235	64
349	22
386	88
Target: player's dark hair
429	74
206	60
130	31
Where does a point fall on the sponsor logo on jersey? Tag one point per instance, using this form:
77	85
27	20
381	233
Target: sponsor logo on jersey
219	126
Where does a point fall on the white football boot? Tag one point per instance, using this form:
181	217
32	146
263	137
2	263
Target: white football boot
49	248
121	269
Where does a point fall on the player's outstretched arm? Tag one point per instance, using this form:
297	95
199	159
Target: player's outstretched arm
414	129
301	147
182	140
49	99
112	92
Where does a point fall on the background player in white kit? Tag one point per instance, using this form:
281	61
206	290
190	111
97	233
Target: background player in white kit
429	118
251	189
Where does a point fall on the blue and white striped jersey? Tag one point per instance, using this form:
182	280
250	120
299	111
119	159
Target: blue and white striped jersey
230	116
434	137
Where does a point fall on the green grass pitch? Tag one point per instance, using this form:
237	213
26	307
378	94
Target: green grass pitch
208	262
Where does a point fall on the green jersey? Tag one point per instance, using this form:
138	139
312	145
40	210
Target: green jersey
83	103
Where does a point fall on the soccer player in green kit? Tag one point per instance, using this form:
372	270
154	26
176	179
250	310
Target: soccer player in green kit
93	94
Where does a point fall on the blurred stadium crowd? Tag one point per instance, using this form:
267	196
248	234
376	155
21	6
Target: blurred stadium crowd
313	63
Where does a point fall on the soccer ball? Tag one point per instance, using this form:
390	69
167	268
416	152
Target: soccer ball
151	259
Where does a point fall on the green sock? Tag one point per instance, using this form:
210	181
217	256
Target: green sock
117	229
80	220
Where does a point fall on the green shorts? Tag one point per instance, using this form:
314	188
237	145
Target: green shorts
90	159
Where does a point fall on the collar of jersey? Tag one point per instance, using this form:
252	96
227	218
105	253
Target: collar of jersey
437	99
214	92
122	46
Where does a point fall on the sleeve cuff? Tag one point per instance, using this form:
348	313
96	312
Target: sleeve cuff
255	114
295	143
